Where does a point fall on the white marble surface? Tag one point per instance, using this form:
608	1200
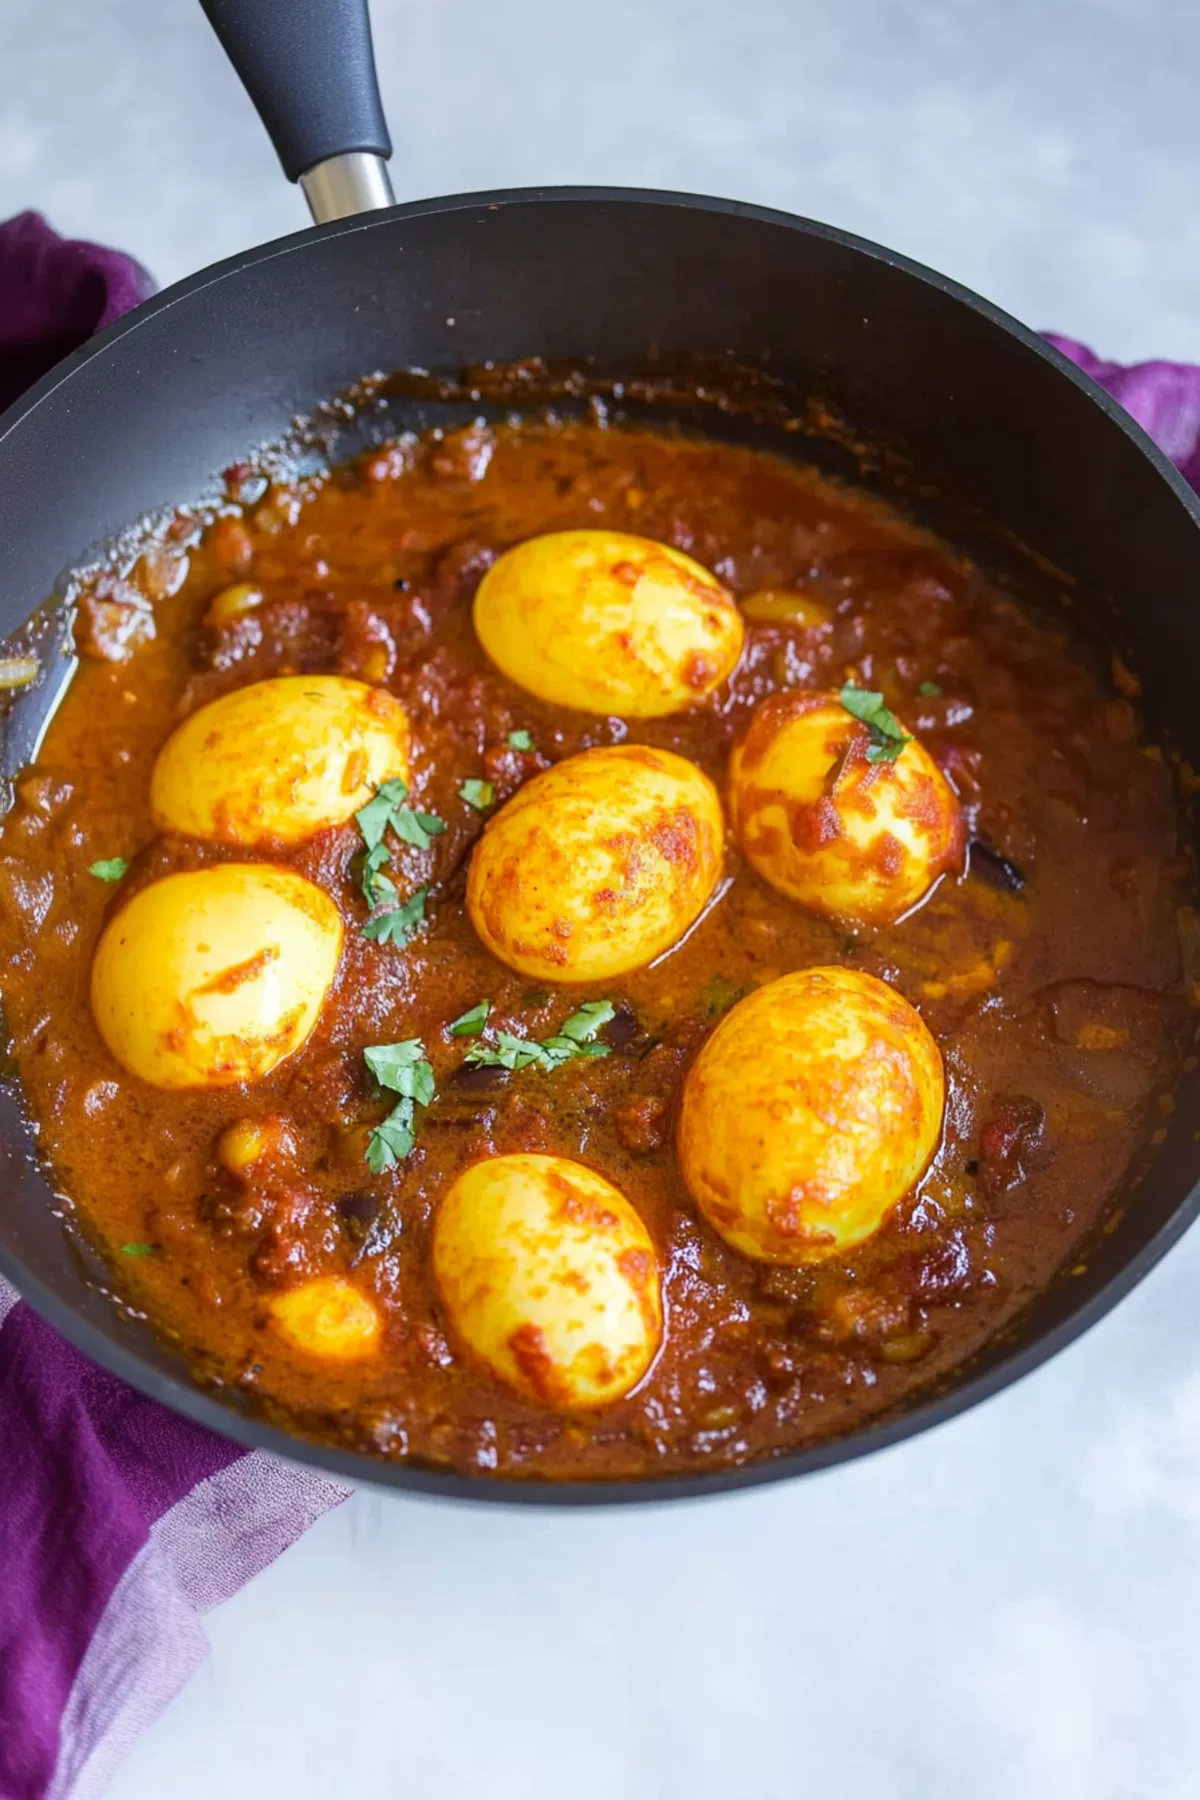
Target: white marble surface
1006	1609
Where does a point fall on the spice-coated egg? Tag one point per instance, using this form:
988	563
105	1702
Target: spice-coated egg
328	1317
814	1106
548	1274
608	623
597	865
279	761
853	839
214	976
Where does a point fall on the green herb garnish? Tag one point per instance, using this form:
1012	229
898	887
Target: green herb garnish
470	1024
404	1070
389	806
388	809
930	690
399	923
520	740
376	886
478	794
109	868
574	1038
137	1249
888	736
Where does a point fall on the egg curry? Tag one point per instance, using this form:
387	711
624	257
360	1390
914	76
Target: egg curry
572	952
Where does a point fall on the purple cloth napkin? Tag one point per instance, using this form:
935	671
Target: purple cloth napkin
120	1524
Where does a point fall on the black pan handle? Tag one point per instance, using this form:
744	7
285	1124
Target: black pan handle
309	68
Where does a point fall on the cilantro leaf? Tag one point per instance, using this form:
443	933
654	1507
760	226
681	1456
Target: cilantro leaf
508	1052
375	817
888	736
402	1069
417	829
376	886
470	1024
583	1025
109	868
478	794
887	751
399	923
930	690
388	810
572	1040
137	1249
392	1139
520	740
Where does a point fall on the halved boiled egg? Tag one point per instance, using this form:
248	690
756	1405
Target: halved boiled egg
548	1274
214	976
597	865
279	760
855	839
814	1106
328	1317
608	623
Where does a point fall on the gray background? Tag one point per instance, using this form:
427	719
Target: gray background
1007	1609
1047	152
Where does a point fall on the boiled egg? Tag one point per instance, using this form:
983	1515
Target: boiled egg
328	1317
548	1274
856	840
279	760
815	1105
597	865
608	623
214	976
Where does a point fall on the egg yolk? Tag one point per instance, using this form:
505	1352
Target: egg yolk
606	622
279	760
813	1108
854	840
214	976
549	1276
597	865
328	1318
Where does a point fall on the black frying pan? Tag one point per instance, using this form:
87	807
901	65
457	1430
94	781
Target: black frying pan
976	419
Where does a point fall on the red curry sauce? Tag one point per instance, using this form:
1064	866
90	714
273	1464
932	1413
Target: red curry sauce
1049	974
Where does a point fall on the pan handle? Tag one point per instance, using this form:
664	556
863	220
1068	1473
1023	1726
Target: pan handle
309	68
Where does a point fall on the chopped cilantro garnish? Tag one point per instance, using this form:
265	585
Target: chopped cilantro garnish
389	806
520	740
375	817
376	886
510	1052
930	690
388	810
402	1069
137	1249
478	794
583	1025
399	923
392	1139
109	868
416	828
574	1038
888	736
470	1024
